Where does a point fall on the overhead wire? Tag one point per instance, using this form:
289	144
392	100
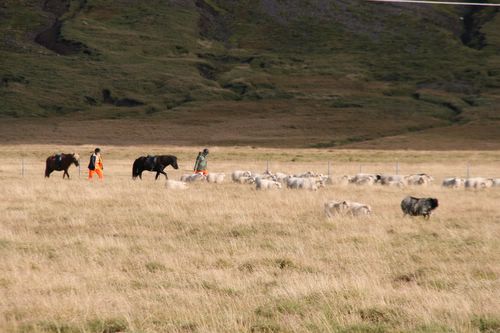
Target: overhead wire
441	2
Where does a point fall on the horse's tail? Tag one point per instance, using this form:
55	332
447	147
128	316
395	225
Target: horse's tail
48	169
135	168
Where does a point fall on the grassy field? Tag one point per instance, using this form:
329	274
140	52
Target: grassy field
130	256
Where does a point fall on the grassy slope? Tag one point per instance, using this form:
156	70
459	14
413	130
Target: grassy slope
309	72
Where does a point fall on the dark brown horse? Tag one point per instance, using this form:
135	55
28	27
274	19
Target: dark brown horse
60	162
153	163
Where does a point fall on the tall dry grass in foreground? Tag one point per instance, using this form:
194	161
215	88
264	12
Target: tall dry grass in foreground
130	256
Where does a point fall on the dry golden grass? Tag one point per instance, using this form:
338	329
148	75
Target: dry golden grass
123	255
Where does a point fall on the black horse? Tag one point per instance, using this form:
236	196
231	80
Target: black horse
153	163
60	162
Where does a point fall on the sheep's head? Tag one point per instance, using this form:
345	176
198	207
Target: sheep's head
320	183
434	203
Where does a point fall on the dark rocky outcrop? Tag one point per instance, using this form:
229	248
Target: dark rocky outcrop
474	18
51	37
120	102
212	23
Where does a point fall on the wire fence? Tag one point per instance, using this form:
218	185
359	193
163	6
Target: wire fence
30	167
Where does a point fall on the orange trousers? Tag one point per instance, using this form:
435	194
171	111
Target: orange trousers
204	172
98	172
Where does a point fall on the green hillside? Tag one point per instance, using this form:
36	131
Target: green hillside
338	72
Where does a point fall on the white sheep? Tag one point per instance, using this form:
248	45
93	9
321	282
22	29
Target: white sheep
306	174
342	180
453	182
333	208
364	179
236	175
281	177
322	180
266	184
419	179
302	183
216	178
478	182
395	183
246	180
345	207
264	175
193	177
392	179
356	208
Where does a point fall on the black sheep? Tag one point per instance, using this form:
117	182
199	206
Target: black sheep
418	206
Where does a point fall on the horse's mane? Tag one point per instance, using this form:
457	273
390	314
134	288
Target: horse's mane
166	156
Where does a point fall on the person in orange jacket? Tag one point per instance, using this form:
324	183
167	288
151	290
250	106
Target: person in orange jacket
95	164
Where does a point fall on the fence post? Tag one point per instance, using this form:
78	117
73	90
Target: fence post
328	169
468	169
397	168
360	168
267	166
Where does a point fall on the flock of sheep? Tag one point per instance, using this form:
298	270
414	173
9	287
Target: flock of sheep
312	181
266	180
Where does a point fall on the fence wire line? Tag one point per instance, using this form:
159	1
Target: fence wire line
30	168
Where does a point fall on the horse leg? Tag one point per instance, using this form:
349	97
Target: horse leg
157	174
48	169
164	173
66	173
